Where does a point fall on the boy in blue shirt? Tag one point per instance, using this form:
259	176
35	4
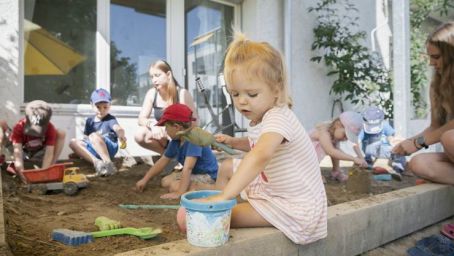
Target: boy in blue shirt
377	139
102	133
200	166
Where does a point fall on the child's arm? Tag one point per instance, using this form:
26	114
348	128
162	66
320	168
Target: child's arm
252	164
18	156
153	171
189	163
236	143
48	156
357	150
332	151
120	132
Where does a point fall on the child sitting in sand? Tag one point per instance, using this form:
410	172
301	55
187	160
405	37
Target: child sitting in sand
200	166
279	174
102	133
377	139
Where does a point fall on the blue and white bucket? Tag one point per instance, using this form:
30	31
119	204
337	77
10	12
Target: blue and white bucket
207	223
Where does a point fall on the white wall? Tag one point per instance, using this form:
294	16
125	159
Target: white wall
310	85
10	91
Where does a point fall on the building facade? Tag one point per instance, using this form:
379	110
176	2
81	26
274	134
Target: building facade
113	42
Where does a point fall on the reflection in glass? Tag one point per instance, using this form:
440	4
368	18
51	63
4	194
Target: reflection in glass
208	26
59	50
138	38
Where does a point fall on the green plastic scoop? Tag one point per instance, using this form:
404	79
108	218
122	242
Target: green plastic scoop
142	233
149	206
200	137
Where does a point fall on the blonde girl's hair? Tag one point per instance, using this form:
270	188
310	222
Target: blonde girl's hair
442	84
259	60
173	84
330	126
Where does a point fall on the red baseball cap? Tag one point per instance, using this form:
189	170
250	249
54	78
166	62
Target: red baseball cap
177	113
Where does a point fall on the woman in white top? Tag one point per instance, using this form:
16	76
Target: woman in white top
165	92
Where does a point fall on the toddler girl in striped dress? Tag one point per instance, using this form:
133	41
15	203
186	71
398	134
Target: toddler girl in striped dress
279	175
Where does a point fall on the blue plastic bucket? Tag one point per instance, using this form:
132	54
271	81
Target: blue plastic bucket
207	224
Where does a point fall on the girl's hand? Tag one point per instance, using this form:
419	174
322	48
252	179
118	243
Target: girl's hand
140	185
173	195
224	138
360	161
215	198
405	148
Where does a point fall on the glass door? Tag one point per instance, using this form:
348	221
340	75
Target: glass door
208	31
138	38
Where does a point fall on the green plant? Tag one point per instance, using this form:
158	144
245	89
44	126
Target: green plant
420	11
360	75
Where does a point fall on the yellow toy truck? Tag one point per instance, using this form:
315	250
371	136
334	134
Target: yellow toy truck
56	177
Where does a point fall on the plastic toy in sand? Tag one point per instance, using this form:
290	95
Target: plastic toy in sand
200	137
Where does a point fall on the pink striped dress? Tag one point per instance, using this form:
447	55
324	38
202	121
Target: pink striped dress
289	193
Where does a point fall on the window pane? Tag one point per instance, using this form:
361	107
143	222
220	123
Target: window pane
60	50
138	38
208	26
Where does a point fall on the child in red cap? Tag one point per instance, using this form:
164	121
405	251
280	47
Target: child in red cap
200	166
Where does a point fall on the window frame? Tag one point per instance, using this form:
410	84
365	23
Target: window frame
175	51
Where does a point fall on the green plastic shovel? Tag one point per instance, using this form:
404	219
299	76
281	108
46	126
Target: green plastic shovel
200	137
142	233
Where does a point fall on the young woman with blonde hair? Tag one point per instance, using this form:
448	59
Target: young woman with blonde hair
438	166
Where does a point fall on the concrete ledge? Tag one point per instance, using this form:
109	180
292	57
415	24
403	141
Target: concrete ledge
353	227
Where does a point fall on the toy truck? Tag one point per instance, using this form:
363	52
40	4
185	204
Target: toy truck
56	177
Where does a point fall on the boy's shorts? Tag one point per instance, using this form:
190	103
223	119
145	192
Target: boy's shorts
201	178
112	148
378	150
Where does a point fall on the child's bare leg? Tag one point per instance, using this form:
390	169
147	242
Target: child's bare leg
225	172
335	163
336	172
167	180
244	215
98	143
58	145
202	186
174	186
80	148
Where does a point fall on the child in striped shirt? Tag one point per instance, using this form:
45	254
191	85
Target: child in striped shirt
279	175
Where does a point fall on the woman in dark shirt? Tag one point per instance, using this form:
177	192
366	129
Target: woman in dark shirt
165	92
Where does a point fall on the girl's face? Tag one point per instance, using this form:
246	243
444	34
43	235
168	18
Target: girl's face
435	58
253	98
101	109
159	78
339	133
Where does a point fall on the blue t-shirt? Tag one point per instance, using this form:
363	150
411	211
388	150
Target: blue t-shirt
206	161
367	138
103	126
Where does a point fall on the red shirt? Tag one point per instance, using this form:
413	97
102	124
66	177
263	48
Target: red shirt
32	143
